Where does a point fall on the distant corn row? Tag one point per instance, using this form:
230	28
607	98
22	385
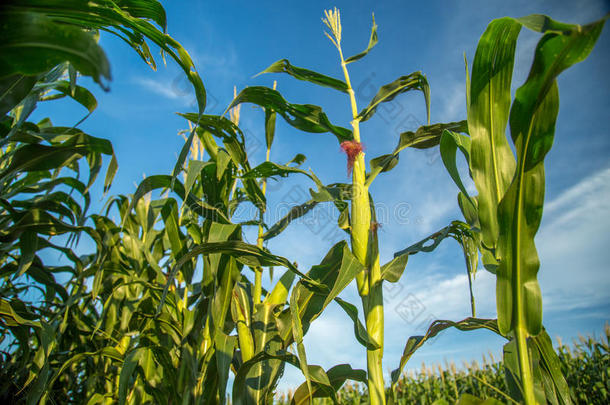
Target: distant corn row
586	366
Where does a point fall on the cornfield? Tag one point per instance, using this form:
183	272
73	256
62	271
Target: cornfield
158	296
585	364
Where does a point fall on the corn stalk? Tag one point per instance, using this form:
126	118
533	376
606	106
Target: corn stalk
369	281
507	211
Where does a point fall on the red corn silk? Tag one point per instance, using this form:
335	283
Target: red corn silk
352	149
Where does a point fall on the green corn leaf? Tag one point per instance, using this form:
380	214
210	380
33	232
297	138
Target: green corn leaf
270	117
36	157
337	376
297	334
184	152
222	162
192	174
13	89
250	255
108	352
295	212
306	117
127	371
372	42
33	44
270	169
80	94
284	66
127	20
69	145
359	330
170	216
224	354
543	23
15	317
491	160
28	245
297	160
338	268
279	294
199	207
240	396
413	81
513	377
428	244
415	342
555	384
113	167
532	123
264	374
393	270
221	127
424	137
450	143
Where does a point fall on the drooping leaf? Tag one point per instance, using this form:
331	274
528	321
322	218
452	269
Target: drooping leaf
64	88
306	117
415	342
392	270
359	330
428	244
295	212
372	42
33	44
388	92
284	66
270	169
424	137
240	397
337	376
450	142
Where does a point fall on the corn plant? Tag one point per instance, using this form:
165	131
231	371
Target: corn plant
506	213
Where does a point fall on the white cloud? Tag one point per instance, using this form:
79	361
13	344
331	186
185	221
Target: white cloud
573	246
159	88
454	101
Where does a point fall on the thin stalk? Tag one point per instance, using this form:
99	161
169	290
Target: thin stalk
472	305
369	285
527	380
258	273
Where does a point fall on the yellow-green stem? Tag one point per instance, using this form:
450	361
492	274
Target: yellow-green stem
472	303
525	367
246	342
369	282
258	273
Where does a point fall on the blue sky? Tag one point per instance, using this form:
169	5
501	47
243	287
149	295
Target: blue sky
232	41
